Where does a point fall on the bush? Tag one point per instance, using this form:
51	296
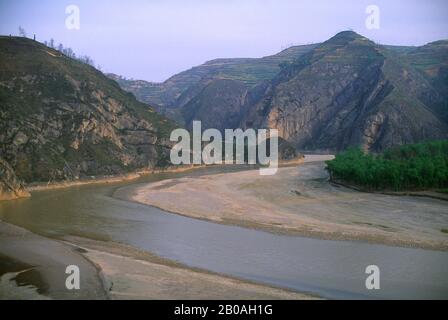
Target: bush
408	167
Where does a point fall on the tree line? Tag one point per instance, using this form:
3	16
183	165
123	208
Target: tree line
64	50
408	167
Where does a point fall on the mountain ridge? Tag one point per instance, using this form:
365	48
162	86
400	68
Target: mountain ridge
345	91
255	70
348	91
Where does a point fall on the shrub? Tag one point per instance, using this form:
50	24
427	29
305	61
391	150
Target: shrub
414	166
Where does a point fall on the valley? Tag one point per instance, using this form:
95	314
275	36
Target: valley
346	91
86	176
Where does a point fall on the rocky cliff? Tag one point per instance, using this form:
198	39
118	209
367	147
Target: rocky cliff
349	91
218	104
343	92
10	186
62	119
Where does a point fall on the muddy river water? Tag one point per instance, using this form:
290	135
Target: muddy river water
332	269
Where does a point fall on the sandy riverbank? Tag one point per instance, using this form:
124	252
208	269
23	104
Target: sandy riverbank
421	193
109	270
39	186
134	274
106	179
44	263
125	177
300	200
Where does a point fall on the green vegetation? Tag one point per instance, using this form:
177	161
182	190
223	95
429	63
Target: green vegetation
409	167
61	118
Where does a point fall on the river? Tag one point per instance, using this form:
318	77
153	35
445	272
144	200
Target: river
328	268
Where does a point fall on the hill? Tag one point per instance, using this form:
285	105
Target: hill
174	92
63	119
349	91
343	92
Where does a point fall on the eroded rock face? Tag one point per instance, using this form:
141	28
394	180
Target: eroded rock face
347	91
61	119
218	105
350	92
10	187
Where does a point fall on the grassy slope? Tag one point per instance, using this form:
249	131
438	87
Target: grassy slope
31	57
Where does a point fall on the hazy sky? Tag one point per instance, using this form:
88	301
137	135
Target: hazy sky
155	39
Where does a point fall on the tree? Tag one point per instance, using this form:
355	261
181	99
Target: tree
415	166
22	31
69	53
87	60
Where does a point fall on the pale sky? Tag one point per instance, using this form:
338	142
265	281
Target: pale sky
154	39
